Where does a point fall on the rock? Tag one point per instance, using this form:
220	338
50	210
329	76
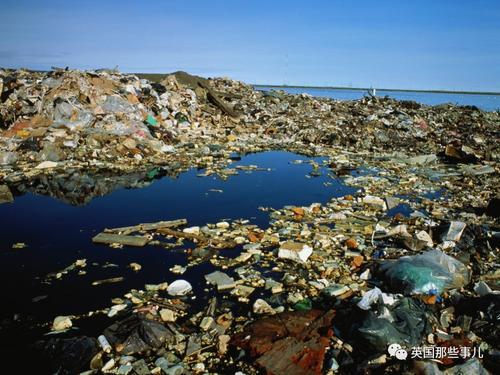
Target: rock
163	363
262	307
61	323
298	252
199	368
5	194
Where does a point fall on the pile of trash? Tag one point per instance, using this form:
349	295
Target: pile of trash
325	288
401	276
109	120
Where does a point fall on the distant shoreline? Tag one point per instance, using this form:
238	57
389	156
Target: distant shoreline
157	77
378	89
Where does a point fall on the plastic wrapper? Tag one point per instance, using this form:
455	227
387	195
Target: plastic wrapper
430	272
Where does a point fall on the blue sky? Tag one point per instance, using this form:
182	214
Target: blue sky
447	44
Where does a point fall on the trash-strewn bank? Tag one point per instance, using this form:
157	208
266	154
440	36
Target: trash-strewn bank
411	259
72	119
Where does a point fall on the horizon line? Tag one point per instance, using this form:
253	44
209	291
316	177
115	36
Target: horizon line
437	91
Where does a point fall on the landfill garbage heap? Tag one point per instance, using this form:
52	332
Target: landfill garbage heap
361	290
105	119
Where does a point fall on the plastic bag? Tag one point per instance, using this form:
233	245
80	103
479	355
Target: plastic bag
430	272
404	324
138	334
116	104
374	296
68	355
